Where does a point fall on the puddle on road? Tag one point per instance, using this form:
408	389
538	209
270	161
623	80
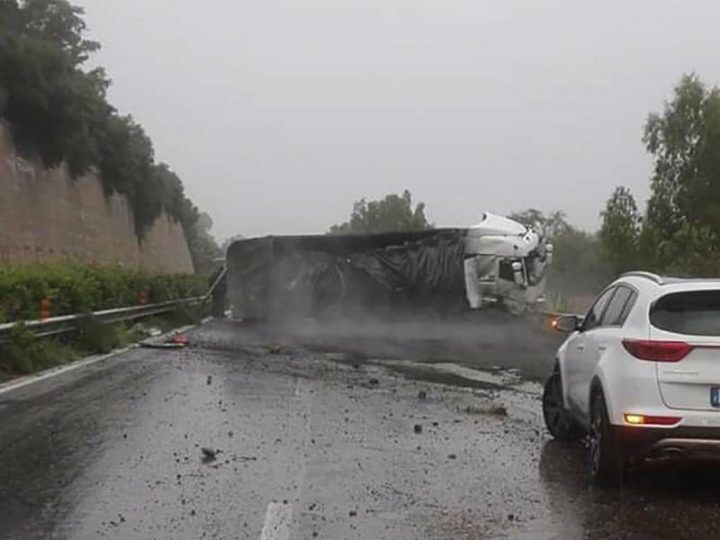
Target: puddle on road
448	373
432	374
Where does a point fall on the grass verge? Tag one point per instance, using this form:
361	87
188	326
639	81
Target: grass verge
25	354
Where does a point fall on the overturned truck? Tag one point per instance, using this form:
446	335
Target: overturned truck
497	262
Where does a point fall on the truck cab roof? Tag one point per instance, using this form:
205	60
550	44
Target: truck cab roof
494	225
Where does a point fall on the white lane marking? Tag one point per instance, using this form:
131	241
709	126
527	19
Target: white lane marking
31	379
53	372
278	517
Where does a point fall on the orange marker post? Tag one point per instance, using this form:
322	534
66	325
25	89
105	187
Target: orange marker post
44	309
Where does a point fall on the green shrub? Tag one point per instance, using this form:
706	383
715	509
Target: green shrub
74	288
95	337
25	354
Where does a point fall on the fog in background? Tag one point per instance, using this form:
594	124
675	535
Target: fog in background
278	114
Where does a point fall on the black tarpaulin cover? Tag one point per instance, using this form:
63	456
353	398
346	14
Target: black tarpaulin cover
305	275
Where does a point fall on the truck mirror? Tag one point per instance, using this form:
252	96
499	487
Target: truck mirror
549	248
517	273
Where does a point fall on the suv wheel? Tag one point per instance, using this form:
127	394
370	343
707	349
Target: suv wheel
604	454
558	421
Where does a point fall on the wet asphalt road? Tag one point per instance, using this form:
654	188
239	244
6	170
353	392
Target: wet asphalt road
315	444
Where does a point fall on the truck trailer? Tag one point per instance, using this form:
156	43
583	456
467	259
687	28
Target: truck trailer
496	263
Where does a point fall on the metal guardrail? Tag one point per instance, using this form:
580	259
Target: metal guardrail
70	323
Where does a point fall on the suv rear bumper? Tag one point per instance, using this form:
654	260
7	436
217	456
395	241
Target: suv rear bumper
679	442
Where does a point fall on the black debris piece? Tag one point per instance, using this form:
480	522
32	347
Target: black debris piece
208	454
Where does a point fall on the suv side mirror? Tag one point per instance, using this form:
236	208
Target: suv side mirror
567	324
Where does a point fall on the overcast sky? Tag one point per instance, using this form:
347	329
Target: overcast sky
278	114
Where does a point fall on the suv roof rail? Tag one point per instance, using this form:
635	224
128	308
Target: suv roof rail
647	275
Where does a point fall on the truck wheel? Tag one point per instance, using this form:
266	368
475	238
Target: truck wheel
557	420
605	461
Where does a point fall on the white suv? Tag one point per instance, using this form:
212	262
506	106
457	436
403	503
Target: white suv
640	374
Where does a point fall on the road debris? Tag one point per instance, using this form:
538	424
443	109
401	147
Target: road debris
179	339
208	454
417	428
143	329
499	410
165	345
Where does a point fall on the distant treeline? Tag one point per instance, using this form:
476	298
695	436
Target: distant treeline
678	233
58	112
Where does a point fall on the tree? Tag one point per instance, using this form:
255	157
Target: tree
620	231
54	107
229	241
550	225
679	233
60	22
59	114
203	247
394	213
577	266
684	140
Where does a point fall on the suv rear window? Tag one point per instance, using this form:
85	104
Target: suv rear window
696	313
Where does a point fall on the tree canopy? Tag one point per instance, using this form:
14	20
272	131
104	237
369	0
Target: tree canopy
680	231
620	231
577	263
551	225
394	213
58	111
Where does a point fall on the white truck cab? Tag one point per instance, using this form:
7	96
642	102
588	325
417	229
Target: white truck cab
505	261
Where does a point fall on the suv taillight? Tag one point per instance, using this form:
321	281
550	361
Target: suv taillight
657	351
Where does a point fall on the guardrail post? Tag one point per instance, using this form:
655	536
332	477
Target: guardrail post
44	309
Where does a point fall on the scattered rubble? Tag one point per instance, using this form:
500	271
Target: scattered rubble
179	339
493	410
208	454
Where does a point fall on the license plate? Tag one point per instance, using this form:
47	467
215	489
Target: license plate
715	396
